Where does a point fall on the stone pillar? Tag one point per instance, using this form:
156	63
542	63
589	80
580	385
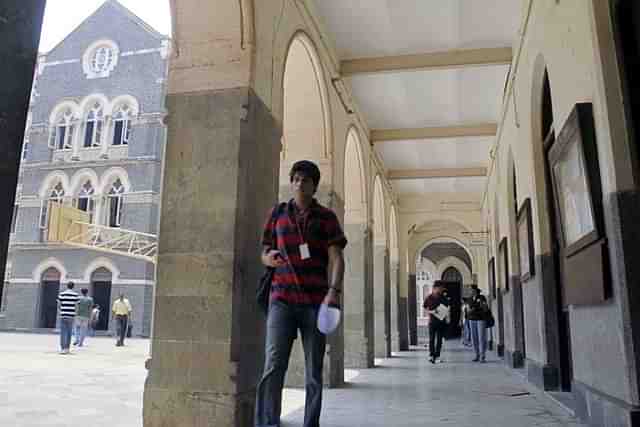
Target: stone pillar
381	295
394	271
358	331
412	311
221	168
21	21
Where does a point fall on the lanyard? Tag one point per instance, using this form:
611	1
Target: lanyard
305	221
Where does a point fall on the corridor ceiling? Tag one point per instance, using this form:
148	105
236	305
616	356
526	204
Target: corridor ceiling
429	101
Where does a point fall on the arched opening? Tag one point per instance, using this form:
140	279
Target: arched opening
49	290
356	298
101	280
306	125
557	302
451	274
381	288
517	306
396	304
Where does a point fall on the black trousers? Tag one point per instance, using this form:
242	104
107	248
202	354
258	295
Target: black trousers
437	331
122	327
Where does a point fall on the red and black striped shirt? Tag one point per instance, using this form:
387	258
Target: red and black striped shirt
302	281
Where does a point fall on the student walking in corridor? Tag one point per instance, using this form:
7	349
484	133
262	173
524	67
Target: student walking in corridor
478	310
438	308
301	240
67	301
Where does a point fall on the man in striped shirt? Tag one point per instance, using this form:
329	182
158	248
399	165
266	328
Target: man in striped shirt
67	302
303	242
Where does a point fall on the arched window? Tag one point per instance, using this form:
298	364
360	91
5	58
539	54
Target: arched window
56	195
61	136
85	200
452	274
122	125
114	203
94	125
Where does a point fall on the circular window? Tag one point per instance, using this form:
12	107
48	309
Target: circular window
102	59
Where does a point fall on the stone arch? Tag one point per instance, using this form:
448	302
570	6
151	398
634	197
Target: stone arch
394	249
45	264
379	214
85	105
458	264
82	175
129	100
75	108
101	262
306	110
50	180
541	122
111	175
355	191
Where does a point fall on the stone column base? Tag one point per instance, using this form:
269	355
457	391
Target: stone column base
545	377
514	359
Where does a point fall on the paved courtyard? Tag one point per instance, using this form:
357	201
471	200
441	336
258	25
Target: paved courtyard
101	385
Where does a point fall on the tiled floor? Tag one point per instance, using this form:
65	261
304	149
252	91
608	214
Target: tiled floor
102	385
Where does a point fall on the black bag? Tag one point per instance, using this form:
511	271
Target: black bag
264	289
489	320
264	285
129	329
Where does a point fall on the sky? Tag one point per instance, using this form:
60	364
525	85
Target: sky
63	16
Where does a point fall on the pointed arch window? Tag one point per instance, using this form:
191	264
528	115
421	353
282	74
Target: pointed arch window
122	125
85	200
93	127
115	205
61	136
56	195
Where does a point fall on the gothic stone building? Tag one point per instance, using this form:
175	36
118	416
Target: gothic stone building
95	143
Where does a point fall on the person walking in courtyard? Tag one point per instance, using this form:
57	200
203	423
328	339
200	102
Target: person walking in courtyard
301	240
67	302
122	312
83	313
438	310
478	310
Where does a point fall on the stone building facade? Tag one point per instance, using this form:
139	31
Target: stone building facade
95	143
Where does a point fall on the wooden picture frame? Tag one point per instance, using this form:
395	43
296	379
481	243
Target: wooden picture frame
492	278
579	211
575	177
503	263
526	251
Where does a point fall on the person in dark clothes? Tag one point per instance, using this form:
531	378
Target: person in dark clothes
435	304
477	312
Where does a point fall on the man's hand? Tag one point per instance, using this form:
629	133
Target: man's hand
272	258
331	298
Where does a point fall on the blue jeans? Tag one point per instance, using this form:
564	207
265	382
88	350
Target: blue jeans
66	329
283	322
82	325
479	337
466	335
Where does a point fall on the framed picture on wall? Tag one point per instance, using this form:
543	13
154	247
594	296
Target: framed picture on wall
503	264
578	210
525	242
575	176
492	278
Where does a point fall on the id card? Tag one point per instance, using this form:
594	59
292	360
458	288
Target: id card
304	251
